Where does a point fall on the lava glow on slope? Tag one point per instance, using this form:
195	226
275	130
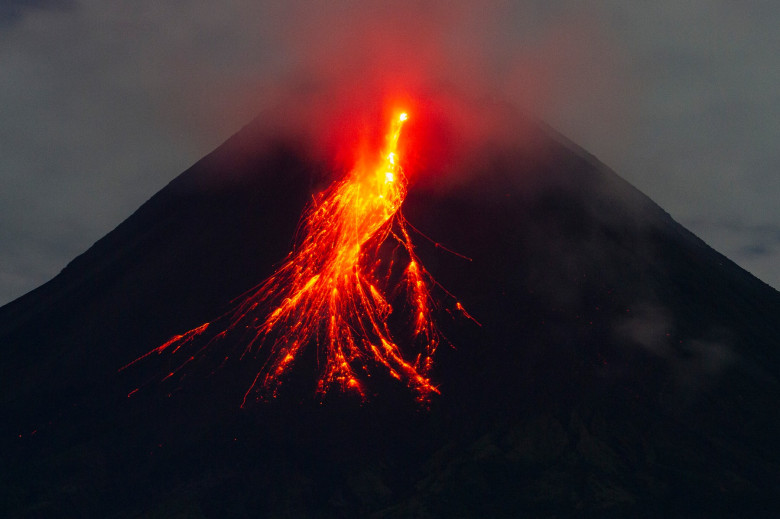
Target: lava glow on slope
334	292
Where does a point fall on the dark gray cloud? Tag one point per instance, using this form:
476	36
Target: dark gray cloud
705	143
12	10
102	103
755	247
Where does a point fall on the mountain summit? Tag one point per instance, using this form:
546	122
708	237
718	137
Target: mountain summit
621	367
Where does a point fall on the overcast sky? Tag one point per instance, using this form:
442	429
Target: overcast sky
103	103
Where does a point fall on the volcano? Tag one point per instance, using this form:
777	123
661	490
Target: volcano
619	367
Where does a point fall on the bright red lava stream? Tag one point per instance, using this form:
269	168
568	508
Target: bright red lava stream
329	292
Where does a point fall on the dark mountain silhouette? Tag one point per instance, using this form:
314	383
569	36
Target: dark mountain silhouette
623	367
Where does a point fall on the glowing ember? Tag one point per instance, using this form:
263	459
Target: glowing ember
329	292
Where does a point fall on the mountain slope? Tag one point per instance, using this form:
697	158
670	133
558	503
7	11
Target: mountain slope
621	366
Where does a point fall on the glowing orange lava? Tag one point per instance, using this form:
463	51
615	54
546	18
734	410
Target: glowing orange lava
332	291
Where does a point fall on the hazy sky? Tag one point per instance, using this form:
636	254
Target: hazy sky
102	103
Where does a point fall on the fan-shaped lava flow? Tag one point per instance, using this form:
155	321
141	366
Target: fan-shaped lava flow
335	291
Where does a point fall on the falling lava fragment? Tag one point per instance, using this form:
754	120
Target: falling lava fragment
334	291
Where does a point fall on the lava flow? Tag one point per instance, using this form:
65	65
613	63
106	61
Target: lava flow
334	291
